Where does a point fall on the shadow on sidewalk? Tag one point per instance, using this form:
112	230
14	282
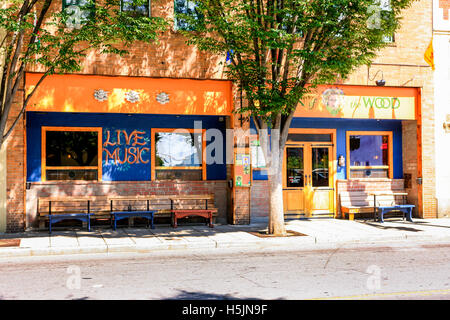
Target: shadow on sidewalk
137	231
385	227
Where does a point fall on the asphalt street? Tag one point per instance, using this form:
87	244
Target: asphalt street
379	271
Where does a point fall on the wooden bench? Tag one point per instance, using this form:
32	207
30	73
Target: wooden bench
379	204
115	208
183	206
126	207
54	210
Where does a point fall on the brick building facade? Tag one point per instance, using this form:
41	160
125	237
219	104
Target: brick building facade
401	65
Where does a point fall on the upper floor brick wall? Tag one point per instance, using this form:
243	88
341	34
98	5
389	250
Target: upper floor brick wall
172	57
413	38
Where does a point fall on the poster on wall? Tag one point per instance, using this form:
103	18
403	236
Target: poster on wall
242	176
258	160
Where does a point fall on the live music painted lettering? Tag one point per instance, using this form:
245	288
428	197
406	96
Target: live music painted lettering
128	148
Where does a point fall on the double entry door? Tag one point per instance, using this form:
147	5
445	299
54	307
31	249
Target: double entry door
308	180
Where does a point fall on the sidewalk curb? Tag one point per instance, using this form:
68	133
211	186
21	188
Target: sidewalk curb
308	242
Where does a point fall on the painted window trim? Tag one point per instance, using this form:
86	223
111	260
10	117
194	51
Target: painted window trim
44	166
153	152
371	133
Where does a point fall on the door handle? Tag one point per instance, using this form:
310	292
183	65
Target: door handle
310	180
306	180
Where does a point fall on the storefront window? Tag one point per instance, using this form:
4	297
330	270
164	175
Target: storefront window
178	156
295	168
370	155
71	154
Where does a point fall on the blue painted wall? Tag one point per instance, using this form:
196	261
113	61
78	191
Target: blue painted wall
344	125
112	122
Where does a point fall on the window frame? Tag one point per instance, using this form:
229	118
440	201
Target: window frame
390	153
44	166
149	8
154	131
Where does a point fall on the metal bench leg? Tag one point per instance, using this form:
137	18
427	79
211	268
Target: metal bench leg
381	215
410	215
89	223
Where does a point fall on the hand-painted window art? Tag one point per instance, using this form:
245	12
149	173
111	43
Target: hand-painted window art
124	147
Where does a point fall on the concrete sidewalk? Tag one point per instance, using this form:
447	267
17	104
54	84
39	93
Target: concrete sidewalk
315	232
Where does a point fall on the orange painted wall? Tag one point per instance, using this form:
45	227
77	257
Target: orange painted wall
75	93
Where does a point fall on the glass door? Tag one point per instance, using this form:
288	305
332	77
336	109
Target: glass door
320	188
294	180
308	180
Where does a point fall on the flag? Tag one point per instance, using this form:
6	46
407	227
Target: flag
228	59
429	54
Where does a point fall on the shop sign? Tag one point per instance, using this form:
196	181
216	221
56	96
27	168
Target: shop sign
337	103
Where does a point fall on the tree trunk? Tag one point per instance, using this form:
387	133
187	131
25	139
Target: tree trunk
276	213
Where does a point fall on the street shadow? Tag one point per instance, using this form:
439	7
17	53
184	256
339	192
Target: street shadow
198	295
384	227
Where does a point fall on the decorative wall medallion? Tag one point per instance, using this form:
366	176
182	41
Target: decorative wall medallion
101	95
162	98
132	96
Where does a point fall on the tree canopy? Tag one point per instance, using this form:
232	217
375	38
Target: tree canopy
55	36
278	50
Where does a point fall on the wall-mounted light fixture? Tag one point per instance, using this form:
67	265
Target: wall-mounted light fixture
163	98
101	95
380	82
132	96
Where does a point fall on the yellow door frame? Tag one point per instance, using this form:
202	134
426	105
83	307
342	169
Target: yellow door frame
332	159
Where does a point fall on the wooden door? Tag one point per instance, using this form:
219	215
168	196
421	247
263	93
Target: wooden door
320	181
308	180
294	180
